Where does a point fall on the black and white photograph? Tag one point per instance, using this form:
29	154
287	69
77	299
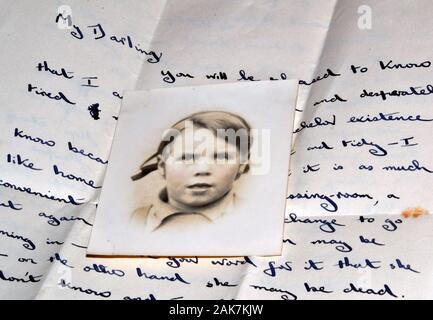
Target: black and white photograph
198	171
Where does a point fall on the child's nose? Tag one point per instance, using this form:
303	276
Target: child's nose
202	168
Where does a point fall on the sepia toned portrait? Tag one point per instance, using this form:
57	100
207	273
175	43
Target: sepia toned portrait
196	171
200	180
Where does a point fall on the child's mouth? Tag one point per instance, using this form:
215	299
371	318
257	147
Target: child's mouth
200	186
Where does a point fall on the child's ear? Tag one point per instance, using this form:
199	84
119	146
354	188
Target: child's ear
161	166
243	168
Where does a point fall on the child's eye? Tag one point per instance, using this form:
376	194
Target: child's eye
187	157
221	156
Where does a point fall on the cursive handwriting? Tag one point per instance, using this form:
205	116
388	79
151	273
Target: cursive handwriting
330	205
70	199
414	166
273	268
70	176
64	284
177	262
59	96
341	246
417	91
386	290
57	257
21	162
335	98
28	278
288	295
228	263
43	66
367	263
11	205
88	155
20	134
392	116
325	225
328	73
377	150
394	66
28	244
99	268
218	283
176	277
317	122
53	221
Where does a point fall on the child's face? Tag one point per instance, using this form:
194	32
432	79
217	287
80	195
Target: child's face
194	177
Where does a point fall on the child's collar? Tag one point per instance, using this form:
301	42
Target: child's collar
161	209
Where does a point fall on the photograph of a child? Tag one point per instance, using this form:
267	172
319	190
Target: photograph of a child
198	171
200	182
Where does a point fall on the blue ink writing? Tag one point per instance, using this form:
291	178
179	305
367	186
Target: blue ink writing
341	246
62	73
20	134
88	155
59	96
176	277
70	199
89	183
99	268
28	244
317	122
325	225
21	162
53	221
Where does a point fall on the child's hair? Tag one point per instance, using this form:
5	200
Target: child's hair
211	120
